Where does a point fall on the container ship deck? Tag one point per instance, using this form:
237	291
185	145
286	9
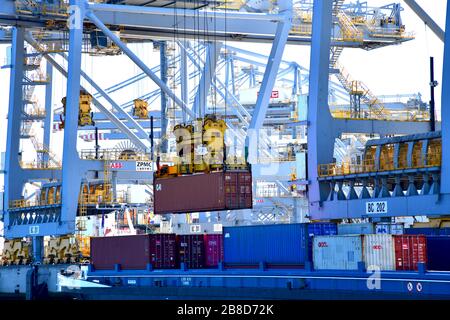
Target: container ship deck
258	284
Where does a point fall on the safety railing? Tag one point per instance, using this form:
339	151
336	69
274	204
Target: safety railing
22	203
392	115
349	31
368	166
301	29
112	154
231	5
32	7
39	165
357	87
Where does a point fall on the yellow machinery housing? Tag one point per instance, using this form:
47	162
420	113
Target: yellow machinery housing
67	249
16	252
64	249
91	194
140	109
85	112
200	147
184	148
214	139
432	157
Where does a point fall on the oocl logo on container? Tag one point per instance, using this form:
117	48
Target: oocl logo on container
377	247
322	245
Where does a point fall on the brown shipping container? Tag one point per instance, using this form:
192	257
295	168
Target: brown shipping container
131	252
163	251
191	250
409	251
203	192
134	252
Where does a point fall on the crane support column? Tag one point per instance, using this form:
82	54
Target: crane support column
163	72
445	111
13	173
321	133
270	74
426	19
71	170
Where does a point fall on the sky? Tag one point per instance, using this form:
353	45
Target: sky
401	69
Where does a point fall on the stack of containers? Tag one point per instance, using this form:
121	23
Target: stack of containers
134	252
384	251
200	251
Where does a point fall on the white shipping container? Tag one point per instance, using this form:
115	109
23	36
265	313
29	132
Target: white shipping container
379	252
337	252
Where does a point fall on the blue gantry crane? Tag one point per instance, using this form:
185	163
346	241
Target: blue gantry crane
61	32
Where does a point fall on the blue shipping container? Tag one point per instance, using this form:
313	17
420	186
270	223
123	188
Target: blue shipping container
438	248
279	244
273	244
424	231
355	228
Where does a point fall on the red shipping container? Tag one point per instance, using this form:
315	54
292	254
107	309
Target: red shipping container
213	250
191	250
409	251
163	251
134	252
203	192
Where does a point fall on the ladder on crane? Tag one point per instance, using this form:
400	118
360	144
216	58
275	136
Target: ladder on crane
337	6
107	188
359	88
349	31
46	158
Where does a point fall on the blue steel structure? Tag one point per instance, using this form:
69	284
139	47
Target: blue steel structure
278	26
59	218
328	203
